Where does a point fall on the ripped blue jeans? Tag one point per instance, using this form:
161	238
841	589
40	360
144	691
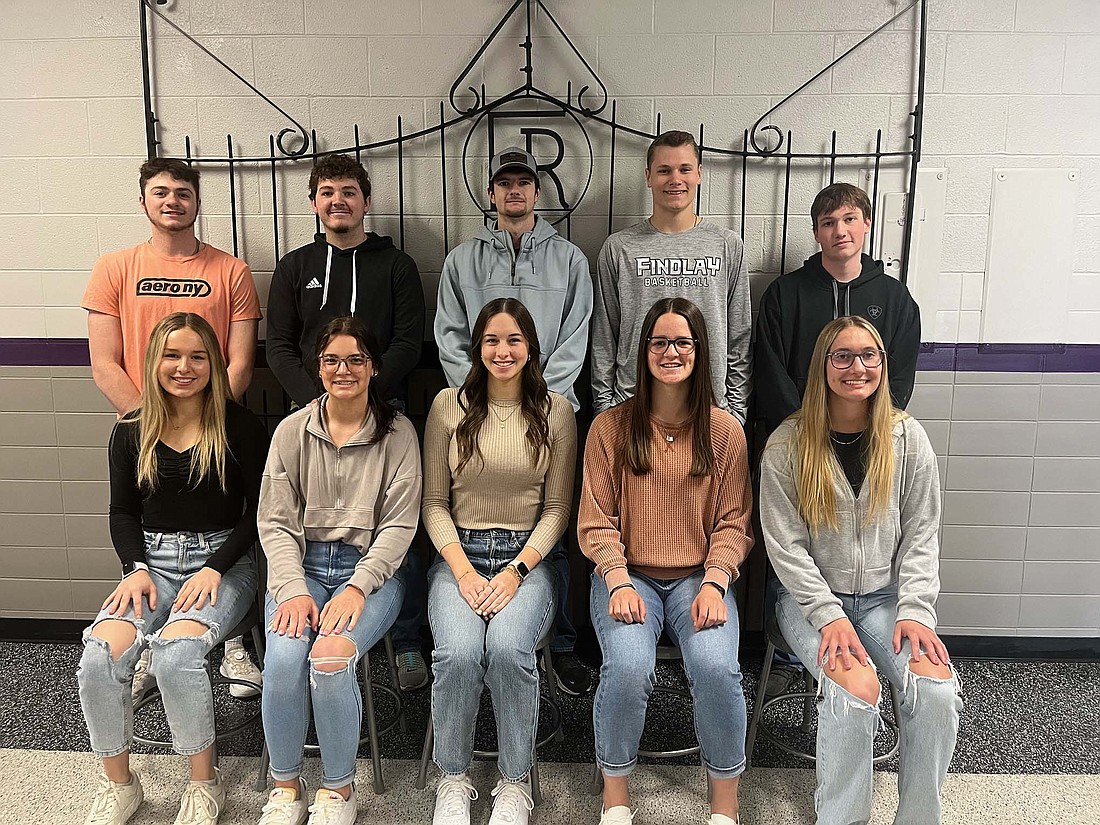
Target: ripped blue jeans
293	685
179	664
846	725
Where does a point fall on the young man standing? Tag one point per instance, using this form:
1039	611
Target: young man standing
350	271
839	280
675	253
520	255
132	289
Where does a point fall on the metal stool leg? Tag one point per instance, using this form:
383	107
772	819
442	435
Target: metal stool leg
372	726
391	661
552	688
429	740
758	703
536	790
597	780
261	775
808	704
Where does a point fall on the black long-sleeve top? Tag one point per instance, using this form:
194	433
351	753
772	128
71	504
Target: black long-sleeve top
177	504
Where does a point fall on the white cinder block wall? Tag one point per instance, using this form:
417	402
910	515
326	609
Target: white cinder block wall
1010	83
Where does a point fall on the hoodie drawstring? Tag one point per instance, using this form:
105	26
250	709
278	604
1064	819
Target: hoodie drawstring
354	280
328	269
836	300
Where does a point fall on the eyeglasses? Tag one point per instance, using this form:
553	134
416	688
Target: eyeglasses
842	359
659	345
331	363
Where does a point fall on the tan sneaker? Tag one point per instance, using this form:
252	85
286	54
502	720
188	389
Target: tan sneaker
114	804
202	802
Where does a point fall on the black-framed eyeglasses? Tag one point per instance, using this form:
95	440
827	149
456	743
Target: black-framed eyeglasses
331	363
659	344
842	359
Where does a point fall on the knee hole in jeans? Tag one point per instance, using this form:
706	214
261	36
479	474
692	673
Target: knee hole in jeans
332	654
861	683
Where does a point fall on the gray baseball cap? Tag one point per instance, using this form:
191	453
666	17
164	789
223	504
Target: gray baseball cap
512	158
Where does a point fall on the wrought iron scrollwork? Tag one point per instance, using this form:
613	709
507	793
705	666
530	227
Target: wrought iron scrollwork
758	129
299	131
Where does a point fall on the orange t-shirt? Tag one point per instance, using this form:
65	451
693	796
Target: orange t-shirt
139	286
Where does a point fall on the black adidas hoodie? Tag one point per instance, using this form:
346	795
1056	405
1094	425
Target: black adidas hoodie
794	310
374	281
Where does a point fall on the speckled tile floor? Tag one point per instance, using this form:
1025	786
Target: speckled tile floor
1020	717
666	794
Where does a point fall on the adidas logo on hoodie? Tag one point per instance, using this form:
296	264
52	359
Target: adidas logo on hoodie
313	284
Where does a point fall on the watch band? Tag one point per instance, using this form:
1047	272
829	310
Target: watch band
129	567
523	570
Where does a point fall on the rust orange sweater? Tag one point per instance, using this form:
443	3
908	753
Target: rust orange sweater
665	524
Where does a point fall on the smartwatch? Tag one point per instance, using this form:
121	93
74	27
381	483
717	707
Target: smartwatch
519	568
129	567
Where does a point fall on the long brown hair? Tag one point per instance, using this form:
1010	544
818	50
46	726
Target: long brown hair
814	455
636	449
473	395
208	454
384	413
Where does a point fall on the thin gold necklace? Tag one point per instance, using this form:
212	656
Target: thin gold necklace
503	419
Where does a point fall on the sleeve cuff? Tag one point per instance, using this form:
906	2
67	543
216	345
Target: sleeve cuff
616	576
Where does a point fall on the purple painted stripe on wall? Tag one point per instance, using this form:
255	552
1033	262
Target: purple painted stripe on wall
73	352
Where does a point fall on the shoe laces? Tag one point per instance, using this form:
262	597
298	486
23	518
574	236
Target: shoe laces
509	797
326	807
453	793
278	809
198	805
238	663
107	802
408	660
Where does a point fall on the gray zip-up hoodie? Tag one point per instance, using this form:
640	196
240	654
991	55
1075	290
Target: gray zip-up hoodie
901	546
548	274
367	495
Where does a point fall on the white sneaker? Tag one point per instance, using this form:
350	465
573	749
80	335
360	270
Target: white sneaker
284	807
513	803
329	808
236	664
722	819
144	681
452	800
617	815
202	802
115	803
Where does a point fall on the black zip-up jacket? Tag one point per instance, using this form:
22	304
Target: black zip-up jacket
794	310
374	281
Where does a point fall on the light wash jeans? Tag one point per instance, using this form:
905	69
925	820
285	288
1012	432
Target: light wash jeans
292	684
471	652
846	725
179	664
627	676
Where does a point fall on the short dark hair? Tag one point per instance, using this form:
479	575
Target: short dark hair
338	167
673	138
836	195
176	169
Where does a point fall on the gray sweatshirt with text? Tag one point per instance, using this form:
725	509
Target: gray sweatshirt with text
640	265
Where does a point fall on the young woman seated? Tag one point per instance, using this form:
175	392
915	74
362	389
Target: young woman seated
185	478
850	508
499	455
665	517
338	509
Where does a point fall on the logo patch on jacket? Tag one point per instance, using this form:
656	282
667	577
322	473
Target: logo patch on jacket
313	284
176	287
875	311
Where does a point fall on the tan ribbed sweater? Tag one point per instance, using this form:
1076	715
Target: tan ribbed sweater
507	491
665	524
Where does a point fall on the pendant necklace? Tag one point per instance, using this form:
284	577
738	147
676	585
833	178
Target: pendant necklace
503	419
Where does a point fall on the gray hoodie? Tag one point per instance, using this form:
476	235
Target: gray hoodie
366	495
901	546
640	265
549	275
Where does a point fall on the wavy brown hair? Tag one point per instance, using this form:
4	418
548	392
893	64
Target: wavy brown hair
641	432
473	395
208	454
384	413
814	455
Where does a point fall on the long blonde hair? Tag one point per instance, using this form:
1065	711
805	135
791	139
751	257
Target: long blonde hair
208	454
814	455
